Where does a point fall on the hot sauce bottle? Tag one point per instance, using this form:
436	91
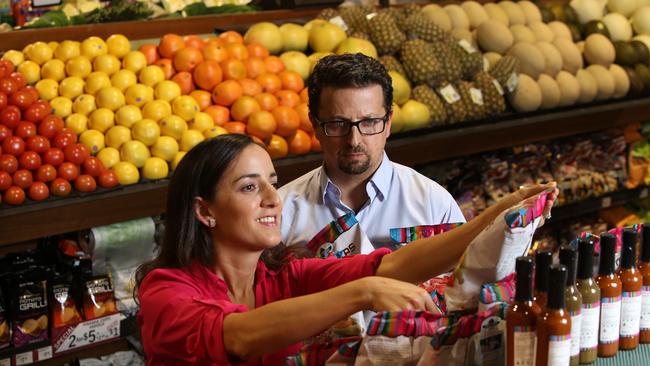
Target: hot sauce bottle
572	299
610	298
542	264
644	269
590	293
522	316
554	324
631	281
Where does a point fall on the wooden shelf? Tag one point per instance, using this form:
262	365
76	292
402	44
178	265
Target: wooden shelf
117	345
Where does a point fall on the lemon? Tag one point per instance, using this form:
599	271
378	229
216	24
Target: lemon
166	148
15	57
139	95
151	75
118	45
155	168
156	110
128	115
177	159
92	47
39	52
123	79
117	135
93	139
77	122
53	69
71	87
61	106
48	89
101	119
107	63
135	152
146	131
78	66
201	122
110	97
96	81
126	172
67	50
167	90
185	107
190	138
53	45
134	61
30	70
109	156
214	132
84	104
173	126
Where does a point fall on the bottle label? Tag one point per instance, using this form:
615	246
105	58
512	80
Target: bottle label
525	346
589	326
559	350
630	313
610	319
645	308
576	320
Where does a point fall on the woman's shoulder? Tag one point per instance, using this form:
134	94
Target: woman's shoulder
186	280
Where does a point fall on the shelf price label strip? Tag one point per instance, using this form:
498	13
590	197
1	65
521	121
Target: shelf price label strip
87	333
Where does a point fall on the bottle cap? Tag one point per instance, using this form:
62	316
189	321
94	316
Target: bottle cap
628	251
585	259
607	252
543	260
524	284
645	243
557	275
569	258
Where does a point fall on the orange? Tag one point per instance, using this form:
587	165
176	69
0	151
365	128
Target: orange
235	127
274	65
167	66
187	59
299	143
213	41
255	67
277	147
233	69
184	80
288	97
256	49
220	114
207	75
315	144
194	41
271	83
261	124
237	51
267	101
287	119
215	52
243	107
250	87
231	37
202	97
291	80
303	115
257	140
304	95
227	92
170	44
150	52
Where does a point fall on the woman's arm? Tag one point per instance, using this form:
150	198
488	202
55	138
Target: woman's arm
428	257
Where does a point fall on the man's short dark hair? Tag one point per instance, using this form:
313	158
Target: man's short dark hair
346	71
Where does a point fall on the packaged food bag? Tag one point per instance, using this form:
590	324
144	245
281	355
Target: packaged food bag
5	333
341	351
30	321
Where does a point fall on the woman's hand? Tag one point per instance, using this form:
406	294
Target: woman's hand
386	294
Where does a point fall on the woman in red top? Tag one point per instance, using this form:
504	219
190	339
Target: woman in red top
223	291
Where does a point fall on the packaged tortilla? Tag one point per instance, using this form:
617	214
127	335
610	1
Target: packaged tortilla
30	320
5	332
64	307
99	299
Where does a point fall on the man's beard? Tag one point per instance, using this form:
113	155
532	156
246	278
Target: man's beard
356	167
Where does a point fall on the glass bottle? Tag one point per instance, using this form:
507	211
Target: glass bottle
554	324
590	293
521	318
631	282
644	269
543	260
572	299
610	298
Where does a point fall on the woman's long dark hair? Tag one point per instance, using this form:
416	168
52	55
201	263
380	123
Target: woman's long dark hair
187	240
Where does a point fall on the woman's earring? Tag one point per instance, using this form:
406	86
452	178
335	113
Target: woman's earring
212	222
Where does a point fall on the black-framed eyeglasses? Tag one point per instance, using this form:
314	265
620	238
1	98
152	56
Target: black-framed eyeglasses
366	126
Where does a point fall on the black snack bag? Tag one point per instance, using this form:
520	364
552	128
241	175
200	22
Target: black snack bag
4	324
30	307
99	298
62	303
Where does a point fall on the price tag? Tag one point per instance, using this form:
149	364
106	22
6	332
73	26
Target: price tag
24	358
497	86
644	193
476	95
340	22
5	362
44	353
370	16
467	46
450	94
89	332
512	82
606	202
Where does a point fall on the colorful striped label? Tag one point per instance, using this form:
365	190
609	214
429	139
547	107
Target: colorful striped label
523	328
576	324
559	350
645	308
408	234
630	313
329	234
524	216
610	319
589	326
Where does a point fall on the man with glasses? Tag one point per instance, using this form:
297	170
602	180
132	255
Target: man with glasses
350	204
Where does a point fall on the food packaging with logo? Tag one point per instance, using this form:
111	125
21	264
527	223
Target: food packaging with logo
99	299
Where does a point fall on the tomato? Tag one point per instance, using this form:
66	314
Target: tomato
37	111
38	191
8	67
93	166
60	187
25	130
38	143
8	163
29	160
14	196
8	86
23	178
19	79
68	171
50	126
10	116
32	90
3	100
54	156
108	179
76	153
85	183
13	145
22	99
5	181
63	140
4	133
46	173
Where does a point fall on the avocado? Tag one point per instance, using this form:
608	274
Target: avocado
547	14
570	14
576	36
644	75
642	53
636	84
594	26
625	53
